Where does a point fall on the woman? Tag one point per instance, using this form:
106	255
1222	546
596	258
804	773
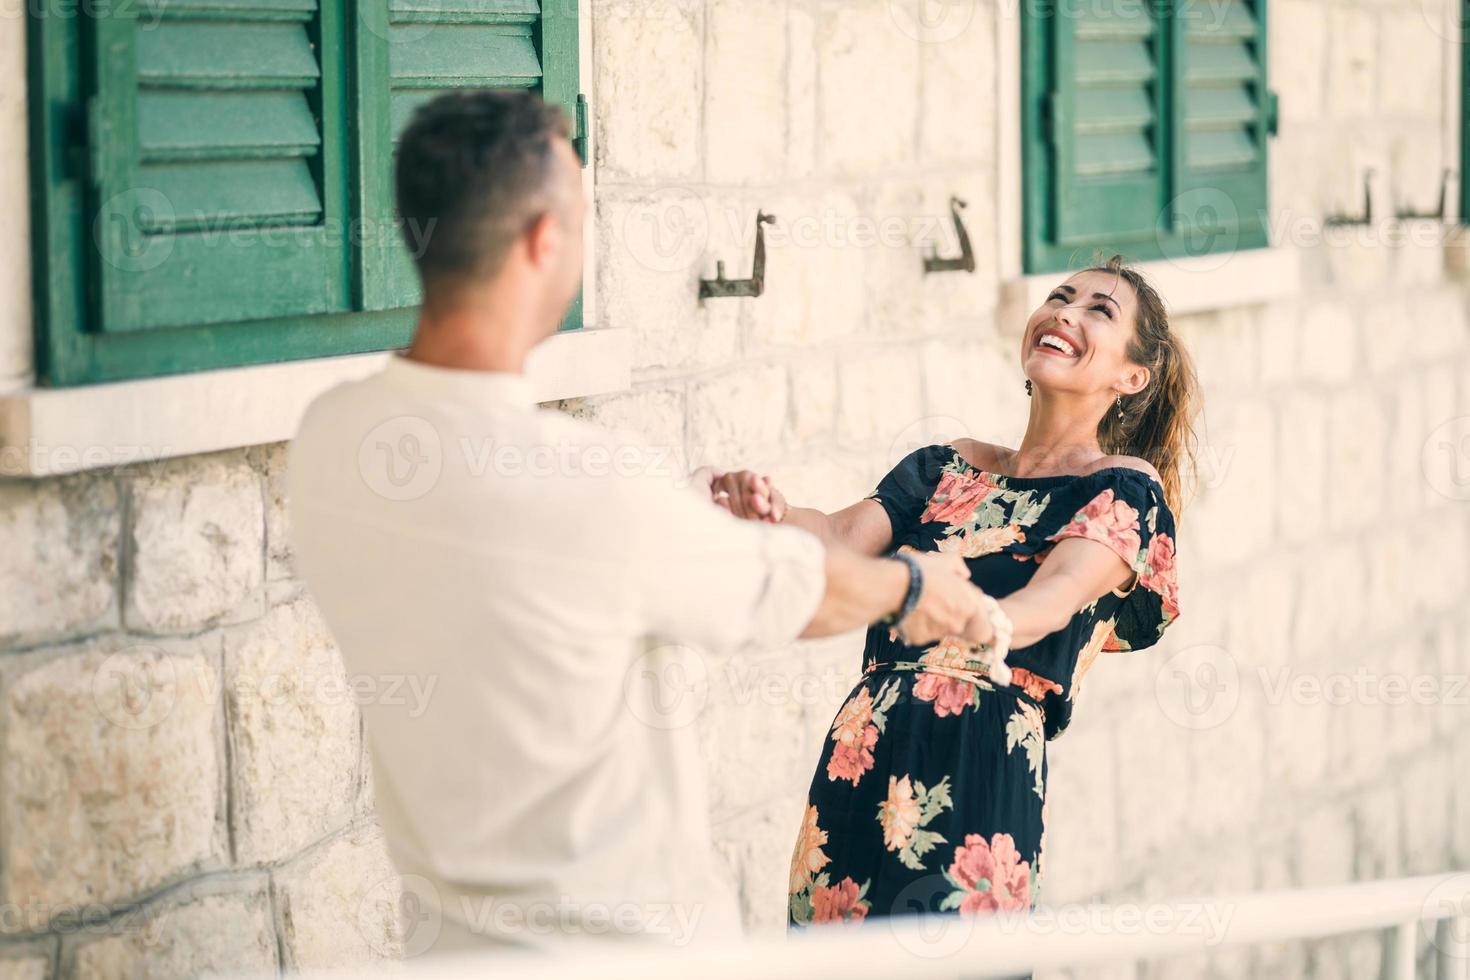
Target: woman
930	795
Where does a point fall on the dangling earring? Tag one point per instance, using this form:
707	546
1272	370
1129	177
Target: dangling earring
1120	408
1028	387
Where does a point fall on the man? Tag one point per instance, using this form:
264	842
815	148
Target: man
534	568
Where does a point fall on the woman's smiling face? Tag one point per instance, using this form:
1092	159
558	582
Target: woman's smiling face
1078	339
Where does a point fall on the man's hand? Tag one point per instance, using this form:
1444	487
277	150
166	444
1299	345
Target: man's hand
948	603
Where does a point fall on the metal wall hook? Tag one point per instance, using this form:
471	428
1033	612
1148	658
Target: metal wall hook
719	287
1438	212
966	261
1367	216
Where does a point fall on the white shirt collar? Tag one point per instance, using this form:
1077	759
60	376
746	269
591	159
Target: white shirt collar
498	388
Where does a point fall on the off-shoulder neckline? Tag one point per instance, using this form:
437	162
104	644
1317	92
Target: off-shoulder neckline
1055	476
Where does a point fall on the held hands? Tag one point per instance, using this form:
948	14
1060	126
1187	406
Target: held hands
749	496
948	605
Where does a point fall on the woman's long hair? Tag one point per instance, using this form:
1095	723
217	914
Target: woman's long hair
1158	422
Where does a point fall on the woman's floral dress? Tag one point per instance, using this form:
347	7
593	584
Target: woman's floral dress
930	795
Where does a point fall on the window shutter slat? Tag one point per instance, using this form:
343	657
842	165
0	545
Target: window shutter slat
216	192
436	46
220	125
1220	114
1109	165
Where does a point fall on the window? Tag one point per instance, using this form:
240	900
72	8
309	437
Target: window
213	178
1144	128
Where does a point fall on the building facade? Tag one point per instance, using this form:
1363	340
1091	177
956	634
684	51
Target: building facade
182	772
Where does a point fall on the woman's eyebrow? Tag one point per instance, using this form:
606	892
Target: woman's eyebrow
1109	299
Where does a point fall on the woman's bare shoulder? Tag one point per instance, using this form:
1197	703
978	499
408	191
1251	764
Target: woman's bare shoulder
1131	462
982	455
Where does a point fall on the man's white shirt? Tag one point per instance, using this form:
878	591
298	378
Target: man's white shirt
544	575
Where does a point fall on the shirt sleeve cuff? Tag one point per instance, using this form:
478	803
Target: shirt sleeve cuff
796	580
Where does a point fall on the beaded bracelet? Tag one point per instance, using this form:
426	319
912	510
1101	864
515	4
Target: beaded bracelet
994	651
916	588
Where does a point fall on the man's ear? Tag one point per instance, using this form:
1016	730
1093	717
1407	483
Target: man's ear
543	239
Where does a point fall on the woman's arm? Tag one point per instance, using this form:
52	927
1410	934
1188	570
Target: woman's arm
1076	572
863	527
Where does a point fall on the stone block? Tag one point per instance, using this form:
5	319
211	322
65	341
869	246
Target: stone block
215	927
293	734
270	461
879	398
649	88
340	905
197	532
653	248
1356	450
739	417
60	541
110	773
813	396
1352	62
868	90
1301	465
957	56
1329	341
1298	70
816	254
745	91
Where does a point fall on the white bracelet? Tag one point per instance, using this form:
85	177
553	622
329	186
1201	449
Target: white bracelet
999	645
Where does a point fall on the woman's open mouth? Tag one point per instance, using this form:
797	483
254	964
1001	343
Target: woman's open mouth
1056	343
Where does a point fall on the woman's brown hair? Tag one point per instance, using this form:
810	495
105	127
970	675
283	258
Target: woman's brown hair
1158	422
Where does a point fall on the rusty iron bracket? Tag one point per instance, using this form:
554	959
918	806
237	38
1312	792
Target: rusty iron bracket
1408	213
721	288
1367	216
966	260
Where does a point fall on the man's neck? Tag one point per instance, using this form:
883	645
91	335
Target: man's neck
473	339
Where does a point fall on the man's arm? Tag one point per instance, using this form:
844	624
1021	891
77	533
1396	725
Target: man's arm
861	590
723	583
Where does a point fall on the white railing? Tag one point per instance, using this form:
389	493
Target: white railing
1436	906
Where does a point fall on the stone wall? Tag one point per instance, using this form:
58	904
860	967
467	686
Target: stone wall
181	774
182	780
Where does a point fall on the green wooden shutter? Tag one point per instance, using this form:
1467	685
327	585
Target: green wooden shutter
217	182
413	50
1107	127
1220	115
1144	129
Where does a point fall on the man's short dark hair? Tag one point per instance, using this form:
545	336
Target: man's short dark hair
474	170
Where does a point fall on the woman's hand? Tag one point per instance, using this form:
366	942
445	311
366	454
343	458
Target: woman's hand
979	629
749	496
947	604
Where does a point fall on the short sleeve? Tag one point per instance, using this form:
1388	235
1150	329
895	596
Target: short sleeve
905	490
1127	512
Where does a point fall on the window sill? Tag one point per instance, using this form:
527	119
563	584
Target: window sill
1196	285
53	431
